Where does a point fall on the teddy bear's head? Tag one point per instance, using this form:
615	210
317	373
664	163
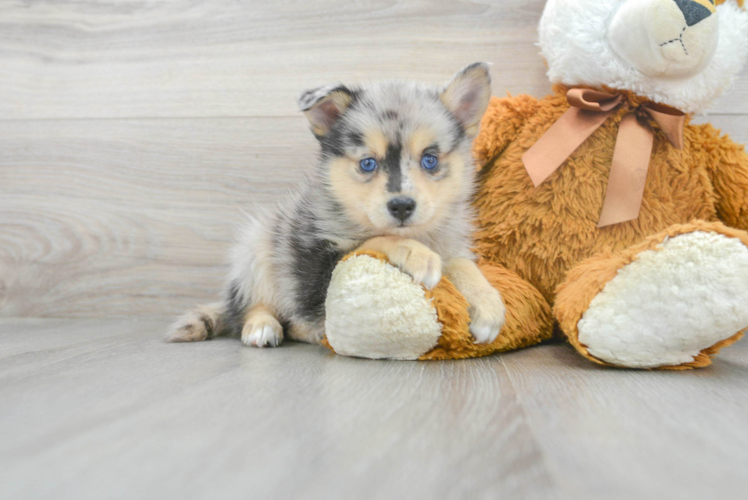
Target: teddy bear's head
682	53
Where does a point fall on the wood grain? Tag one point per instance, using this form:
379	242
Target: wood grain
107	410
133	134
621	434
187	58
121	217
135	217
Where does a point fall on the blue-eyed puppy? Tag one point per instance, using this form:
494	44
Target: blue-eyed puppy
395	175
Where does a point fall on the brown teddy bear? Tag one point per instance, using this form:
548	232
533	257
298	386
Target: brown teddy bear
601	208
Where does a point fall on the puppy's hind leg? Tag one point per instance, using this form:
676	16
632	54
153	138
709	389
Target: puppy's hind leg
203	323
261	328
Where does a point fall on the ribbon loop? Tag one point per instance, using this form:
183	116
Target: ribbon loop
628	172
589	110
593	100
670	120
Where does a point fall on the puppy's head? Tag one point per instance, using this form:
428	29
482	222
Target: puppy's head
396	156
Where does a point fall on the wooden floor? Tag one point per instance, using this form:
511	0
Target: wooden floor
93	409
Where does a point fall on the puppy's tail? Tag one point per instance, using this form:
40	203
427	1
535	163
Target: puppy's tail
203	323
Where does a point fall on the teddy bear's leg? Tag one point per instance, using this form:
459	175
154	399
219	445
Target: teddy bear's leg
671	301
528	319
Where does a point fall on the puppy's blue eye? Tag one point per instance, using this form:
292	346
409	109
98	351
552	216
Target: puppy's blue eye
429	162
368	164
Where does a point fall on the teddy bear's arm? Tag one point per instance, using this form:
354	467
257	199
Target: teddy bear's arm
501	125
729	173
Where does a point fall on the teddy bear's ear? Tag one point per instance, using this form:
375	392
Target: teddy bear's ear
323	106
467	95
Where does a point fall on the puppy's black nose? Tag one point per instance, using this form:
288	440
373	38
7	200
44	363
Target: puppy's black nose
401	207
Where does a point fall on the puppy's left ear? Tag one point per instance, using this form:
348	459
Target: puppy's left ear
467	96
324	106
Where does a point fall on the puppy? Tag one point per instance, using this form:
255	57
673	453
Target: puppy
395	175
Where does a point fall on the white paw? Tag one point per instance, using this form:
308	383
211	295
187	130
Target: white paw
670	303
265	332
419	261
487	317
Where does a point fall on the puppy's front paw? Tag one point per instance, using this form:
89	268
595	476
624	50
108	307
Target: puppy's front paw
487	316
264	331
417	260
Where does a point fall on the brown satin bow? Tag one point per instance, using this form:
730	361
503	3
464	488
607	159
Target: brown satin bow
628	171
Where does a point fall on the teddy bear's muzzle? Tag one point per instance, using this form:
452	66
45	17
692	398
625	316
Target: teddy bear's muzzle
665	38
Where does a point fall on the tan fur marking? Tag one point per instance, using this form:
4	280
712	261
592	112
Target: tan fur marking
411	256
257	312
264	289
419	140
436	195
466	277
456	164
472	130
487	310
376	141
383	244
303	332
353	193
364	197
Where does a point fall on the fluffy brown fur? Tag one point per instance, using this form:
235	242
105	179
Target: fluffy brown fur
542	234
542	248
528	321
589	278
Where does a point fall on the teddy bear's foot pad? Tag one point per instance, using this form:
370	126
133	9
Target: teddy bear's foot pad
670	303
375	311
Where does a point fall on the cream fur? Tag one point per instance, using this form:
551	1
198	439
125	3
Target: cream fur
375	311
573	40
670	303
487	309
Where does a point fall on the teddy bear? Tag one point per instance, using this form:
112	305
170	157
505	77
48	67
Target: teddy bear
604	215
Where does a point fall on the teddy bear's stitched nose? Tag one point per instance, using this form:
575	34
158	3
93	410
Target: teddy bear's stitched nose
694	12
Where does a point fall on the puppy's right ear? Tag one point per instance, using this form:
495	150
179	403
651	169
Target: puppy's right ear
467	96
323	106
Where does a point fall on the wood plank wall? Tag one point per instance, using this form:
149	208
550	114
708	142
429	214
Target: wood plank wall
134	132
